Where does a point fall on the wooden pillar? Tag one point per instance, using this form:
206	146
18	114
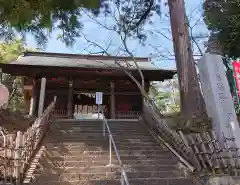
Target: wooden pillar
42	96
147	86
70	100
112	101
33	100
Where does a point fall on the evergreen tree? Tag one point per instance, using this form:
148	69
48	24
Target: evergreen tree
10	51
222	18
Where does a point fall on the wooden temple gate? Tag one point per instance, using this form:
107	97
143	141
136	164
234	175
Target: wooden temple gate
75	79
72	99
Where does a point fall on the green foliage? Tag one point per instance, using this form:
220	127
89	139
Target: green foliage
223	19
41	17
162	99
133	15
10	51
166	98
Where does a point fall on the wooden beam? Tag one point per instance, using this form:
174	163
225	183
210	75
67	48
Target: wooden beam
108	93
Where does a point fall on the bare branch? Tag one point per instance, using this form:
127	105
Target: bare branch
131	54
127	71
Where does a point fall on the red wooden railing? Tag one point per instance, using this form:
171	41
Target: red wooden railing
128	114
60	113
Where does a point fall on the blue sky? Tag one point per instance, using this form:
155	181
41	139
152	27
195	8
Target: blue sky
157	46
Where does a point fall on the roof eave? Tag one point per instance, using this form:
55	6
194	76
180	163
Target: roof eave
31	70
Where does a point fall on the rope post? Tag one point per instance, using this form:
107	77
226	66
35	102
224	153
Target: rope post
18	158
11	155
5	155
110	150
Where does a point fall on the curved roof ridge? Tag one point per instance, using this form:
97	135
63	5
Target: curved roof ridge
85	56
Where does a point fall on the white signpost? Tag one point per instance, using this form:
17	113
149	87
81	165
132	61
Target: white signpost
99	100
218	99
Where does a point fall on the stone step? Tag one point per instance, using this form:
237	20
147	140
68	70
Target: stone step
76	147
97	122
101	146
73	176
106	153
106	157
76	141
100	134
49	163
78	154
161	181
101	137
93	130
147	168
104	169
88	169
76	134
91	182
125	152
77	158
100	125
130	128
102	143
97	162
136	181
46	177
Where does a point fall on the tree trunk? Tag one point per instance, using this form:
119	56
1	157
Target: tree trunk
192	103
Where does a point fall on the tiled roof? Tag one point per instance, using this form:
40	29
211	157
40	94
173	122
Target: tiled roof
81	61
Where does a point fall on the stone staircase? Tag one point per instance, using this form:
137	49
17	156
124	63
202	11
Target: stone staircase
76	153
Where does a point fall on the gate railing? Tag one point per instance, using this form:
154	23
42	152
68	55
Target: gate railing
18	150
124	178
128	114
60	113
